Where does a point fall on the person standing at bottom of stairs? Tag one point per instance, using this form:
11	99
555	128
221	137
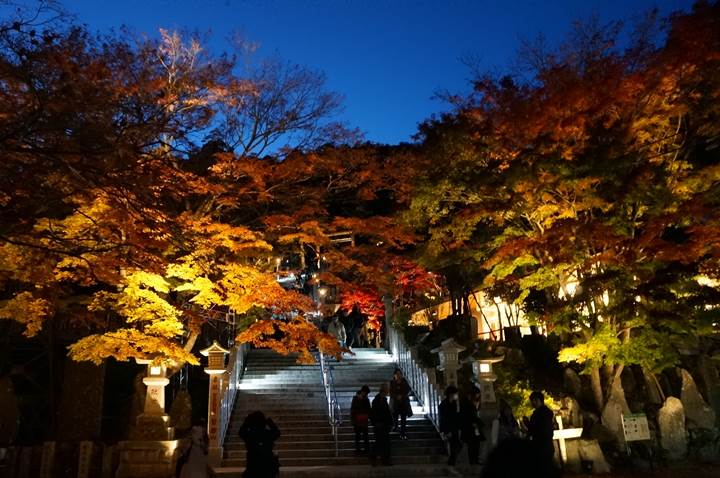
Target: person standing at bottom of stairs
259	434
382	422
472	425
360	417
450	422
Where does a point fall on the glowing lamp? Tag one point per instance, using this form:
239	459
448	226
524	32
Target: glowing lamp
156	371
482	369
216	358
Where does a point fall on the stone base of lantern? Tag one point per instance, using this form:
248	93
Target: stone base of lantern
147	459
153	427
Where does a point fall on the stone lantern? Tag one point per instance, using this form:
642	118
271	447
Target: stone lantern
152	449
216	369
449	363
484	377
154	423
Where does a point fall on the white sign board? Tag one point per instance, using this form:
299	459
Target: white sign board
635	427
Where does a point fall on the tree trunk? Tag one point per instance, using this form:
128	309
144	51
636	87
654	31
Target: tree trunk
466	305
188	347
596	383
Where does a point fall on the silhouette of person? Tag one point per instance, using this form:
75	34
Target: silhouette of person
540	430
382	422
400	401
505	425
360	417
450	422
472	426
259	434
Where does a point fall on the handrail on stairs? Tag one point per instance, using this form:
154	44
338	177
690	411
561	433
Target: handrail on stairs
333	406
234	372
422	380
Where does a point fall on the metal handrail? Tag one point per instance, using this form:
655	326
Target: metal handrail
422	380
234	372
333	405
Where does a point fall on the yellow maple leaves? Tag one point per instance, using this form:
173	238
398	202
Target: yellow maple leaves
27	309
125	344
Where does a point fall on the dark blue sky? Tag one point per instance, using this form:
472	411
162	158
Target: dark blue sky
387	57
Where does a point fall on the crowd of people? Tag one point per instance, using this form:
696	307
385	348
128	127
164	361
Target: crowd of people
354	329
460	423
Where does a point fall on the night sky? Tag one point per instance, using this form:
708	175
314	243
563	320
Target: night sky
387	57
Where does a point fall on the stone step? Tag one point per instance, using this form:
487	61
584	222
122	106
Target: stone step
299	400
313	434
351	471
345	433
371	375
262	393
246	387
270	373
347	442
406	449
293	420
349	384
308	431
293	396
343	460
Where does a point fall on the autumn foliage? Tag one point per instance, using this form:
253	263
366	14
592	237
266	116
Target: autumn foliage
147	189
588	191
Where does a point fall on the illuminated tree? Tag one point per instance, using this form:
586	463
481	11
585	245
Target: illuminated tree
591	189
110	227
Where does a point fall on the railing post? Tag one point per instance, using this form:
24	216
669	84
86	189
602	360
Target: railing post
216	370
333	407
432	381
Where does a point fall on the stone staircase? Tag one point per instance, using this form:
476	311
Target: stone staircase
293	396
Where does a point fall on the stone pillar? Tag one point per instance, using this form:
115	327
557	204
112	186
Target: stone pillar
85	459
485	378
216	370
153	423
47	460
449	363
109	457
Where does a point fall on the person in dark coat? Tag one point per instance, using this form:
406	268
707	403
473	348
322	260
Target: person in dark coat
259	434
360	417
472	426
382	422
505	425
540	430
450	422
400	401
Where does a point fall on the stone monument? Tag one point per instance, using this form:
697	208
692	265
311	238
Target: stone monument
673	436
